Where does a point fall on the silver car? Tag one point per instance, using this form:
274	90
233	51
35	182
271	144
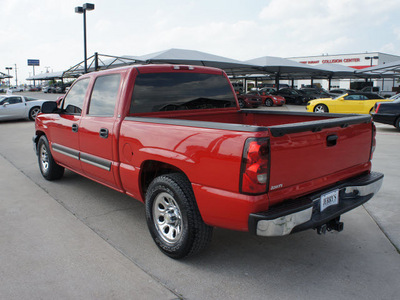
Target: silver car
13	107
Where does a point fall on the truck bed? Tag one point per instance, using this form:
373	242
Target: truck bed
308	151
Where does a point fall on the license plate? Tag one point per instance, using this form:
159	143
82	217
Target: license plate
329	199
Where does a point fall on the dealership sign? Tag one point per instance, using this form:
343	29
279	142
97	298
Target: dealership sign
332	61
33	62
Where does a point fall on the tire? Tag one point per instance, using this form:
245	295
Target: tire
321	108
269	102
173	218
48	167
34	112
241	103
397	123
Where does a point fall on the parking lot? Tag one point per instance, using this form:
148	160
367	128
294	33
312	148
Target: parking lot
75	238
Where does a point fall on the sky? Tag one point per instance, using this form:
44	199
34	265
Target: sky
51	31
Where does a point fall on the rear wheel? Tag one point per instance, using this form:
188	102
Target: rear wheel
173	218
241	103
321	108
34	112
48	167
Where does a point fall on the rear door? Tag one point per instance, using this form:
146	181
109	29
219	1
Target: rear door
97	130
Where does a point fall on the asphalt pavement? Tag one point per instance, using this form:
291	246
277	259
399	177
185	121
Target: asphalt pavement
76	239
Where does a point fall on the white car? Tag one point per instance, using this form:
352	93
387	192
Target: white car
13	107
16	89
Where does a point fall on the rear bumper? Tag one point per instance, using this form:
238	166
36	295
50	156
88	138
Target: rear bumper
305	213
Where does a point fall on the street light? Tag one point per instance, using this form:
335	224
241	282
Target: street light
371	58
8	71
82	10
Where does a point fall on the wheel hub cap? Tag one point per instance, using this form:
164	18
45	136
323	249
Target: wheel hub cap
44	158
167	218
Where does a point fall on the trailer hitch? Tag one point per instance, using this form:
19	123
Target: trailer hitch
334	224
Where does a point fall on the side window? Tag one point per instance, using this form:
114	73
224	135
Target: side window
14	100
104	95
351	97
73	102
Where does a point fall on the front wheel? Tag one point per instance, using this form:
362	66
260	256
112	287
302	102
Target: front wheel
321	108
241	103
173	218
48	167
269	102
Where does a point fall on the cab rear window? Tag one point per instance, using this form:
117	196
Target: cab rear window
180	91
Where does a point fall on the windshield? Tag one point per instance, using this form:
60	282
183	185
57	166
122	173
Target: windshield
180	91
395	97
340	96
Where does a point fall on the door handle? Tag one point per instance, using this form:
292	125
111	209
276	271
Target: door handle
331	140
103	133
75	127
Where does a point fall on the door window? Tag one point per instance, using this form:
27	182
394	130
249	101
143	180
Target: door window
13	100
73	102
104	95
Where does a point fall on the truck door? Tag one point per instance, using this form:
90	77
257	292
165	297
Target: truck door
13	108
97	131
64	135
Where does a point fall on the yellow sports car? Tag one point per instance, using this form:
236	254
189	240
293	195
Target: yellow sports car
352	103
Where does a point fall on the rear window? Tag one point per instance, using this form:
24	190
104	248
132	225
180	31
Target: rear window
30	99
180	91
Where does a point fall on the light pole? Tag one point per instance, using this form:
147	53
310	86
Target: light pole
371	58
8	71
16	77
82	10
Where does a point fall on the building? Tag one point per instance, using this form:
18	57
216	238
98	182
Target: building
355	61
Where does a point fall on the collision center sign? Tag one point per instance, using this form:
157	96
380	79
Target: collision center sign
332	61
33	62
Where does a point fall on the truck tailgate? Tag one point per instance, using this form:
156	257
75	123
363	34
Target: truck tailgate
305	158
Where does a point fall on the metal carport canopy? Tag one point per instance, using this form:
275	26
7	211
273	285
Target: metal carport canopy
283	66
194	57
4	76
47	76
389	69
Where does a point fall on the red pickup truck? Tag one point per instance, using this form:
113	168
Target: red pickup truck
175	138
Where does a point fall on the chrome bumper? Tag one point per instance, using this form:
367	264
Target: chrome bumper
304	213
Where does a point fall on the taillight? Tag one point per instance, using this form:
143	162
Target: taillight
254	170
376	108
373	143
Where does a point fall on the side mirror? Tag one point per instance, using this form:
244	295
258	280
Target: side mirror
49	107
